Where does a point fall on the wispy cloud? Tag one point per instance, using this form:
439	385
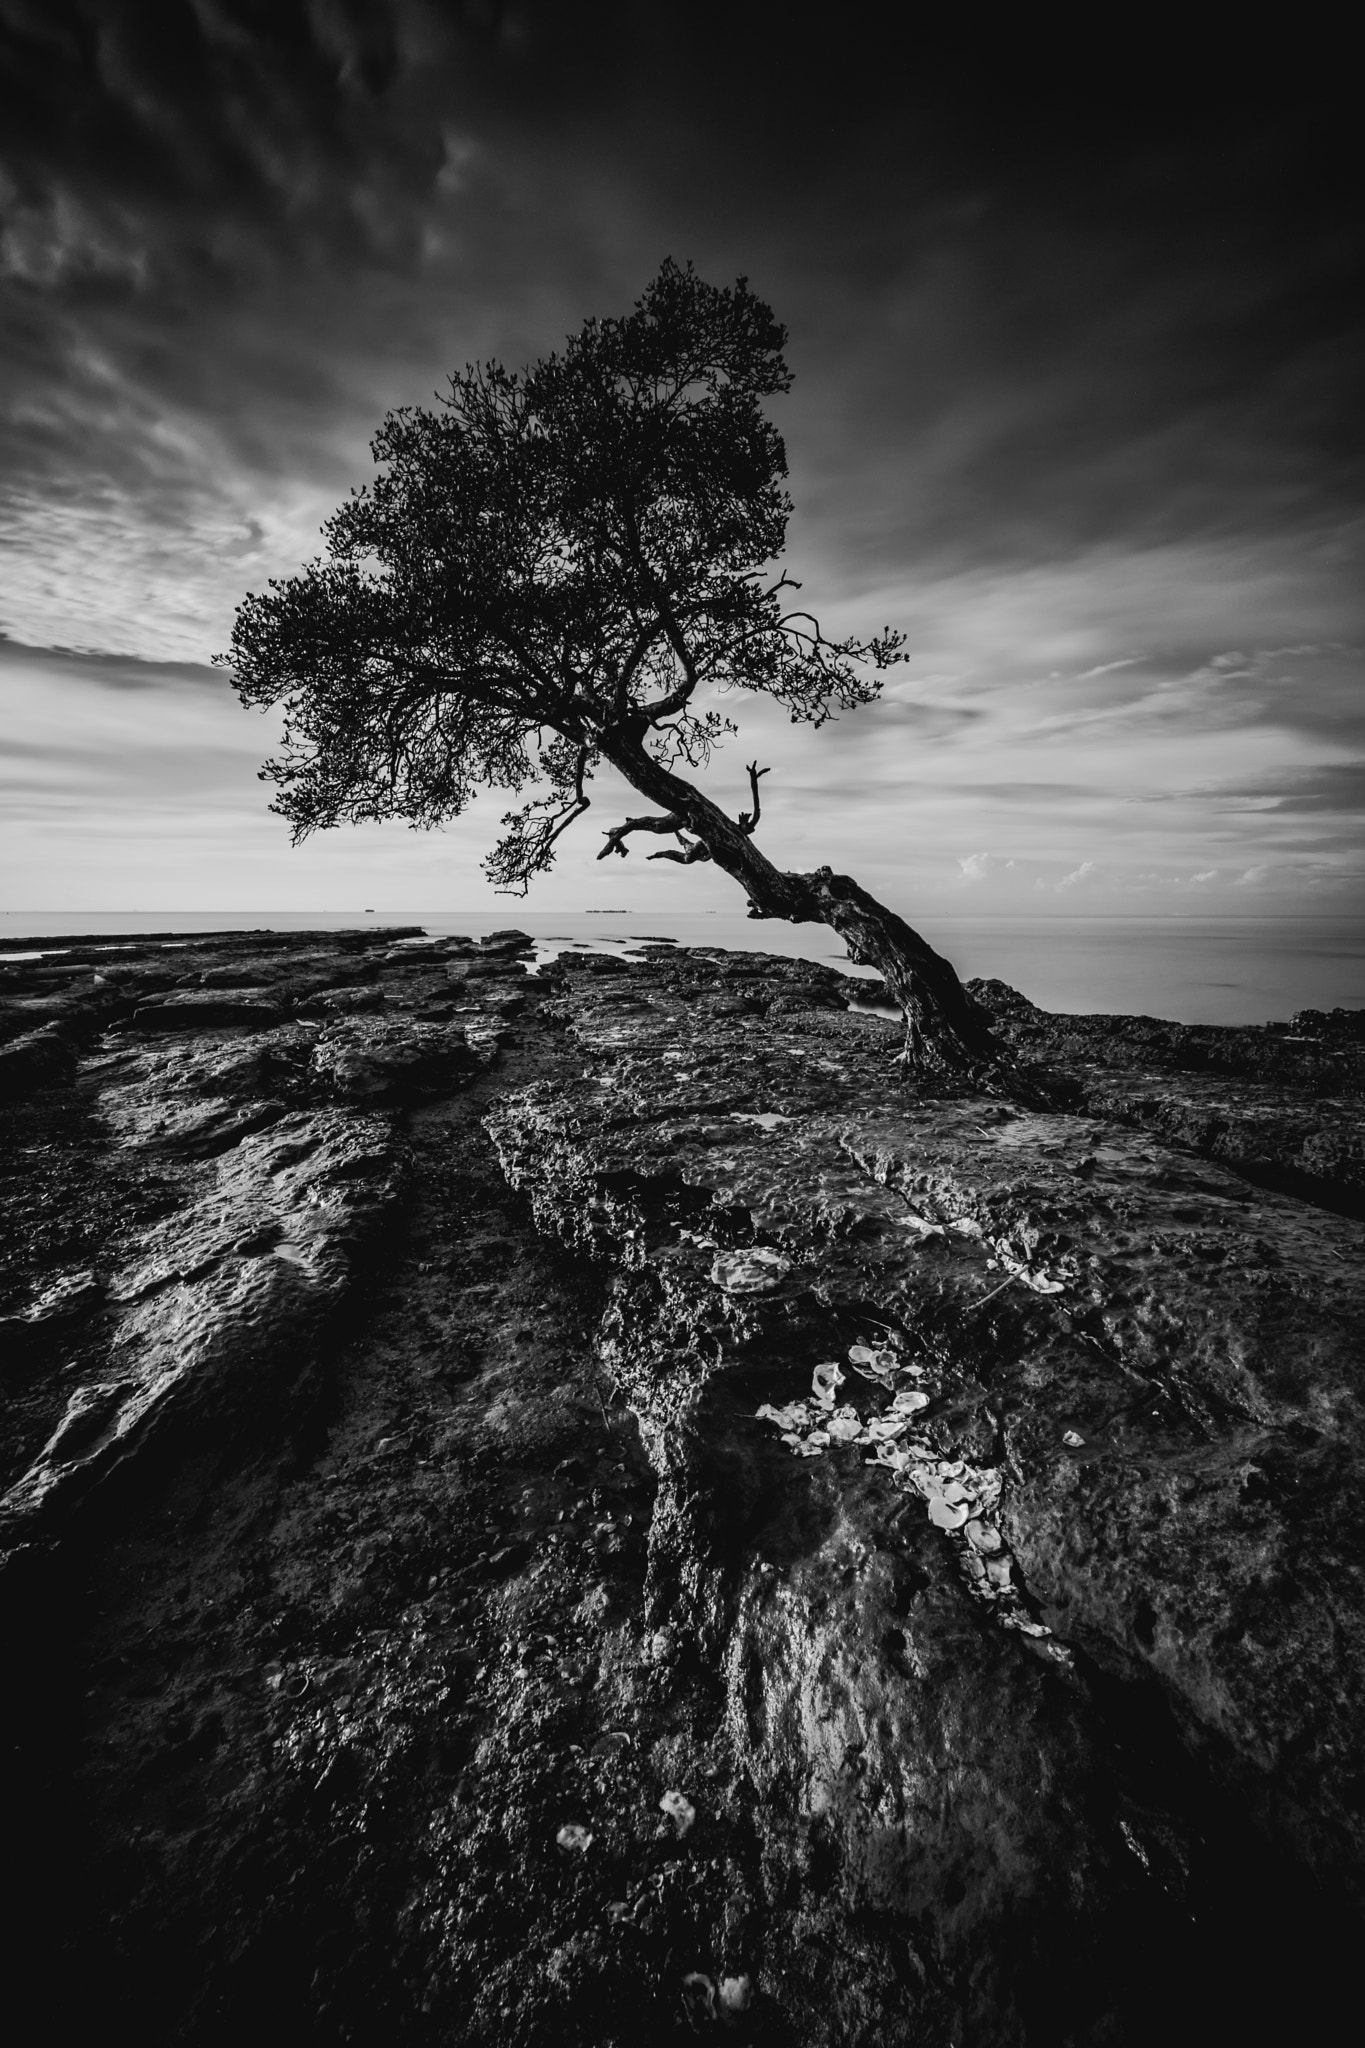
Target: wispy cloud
1332	788
109	671
1068	404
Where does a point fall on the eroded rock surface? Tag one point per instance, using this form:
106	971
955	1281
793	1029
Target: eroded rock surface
1280	1103
573	1508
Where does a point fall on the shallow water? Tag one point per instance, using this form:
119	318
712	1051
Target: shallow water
1198	970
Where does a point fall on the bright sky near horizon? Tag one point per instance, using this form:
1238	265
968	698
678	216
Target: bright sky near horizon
1076	407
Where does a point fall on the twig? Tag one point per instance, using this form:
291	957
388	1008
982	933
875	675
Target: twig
991	1296
616	838
748	820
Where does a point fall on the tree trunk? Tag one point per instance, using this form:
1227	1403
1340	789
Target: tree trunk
946	1038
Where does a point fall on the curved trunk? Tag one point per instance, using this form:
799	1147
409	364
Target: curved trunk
945	1035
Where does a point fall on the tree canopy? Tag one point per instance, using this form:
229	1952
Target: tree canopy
566	565
578	552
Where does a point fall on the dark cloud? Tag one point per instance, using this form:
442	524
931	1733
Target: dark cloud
110	671
1075	316
1027	792
1059	285
891	717
1044	296
1336	788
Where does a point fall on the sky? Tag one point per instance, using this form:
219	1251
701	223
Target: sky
1076	330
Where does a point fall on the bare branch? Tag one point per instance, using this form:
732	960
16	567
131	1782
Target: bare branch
675	699
618	834
693	850
644	640
669	706
748	820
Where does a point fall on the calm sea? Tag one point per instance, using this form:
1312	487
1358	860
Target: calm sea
1201	971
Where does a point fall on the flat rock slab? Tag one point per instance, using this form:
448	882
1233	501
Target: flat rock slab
1281	1104
220	1312
33	1060
1140	1460
191	1011
365	1060
704	1540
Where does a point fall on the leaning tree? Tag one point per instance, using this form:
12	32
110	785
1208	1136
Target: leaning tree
568	565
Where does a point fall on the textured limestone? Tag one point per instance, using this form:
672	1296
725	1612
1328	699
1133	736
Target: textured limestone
221	1310
375	1061
1159	1366
33	1059
748	1550
188	1010
1282	1104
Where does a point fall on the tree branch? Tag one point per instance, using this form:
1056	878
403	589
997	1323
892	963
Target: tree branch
748	820
643	641
675	699
618	834
581	800
693	850
528	846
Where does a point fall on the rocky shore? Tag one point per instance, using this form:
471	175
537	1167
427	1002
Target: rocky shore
557	1501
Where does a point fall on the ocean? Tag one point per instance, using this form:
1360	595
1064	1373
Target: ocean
1196	970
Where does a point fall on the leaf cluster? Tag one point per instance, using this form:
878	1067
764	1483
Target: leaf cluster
576	553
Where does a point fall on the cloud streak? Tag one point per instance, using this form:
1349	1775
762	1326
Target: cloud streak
1075	404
